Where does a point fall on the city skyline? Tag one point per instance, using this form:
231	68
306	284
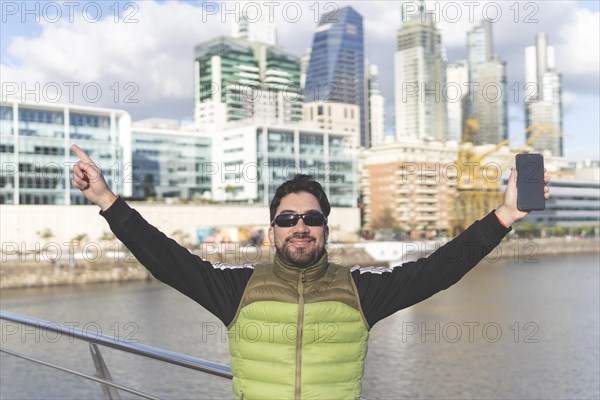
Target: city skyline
168	91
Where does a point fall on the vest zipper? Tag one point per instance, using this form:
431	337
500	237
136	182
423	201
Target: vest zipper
301	281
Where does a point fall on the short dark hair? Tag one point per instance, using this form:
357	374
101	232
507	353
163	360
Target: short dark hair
300	183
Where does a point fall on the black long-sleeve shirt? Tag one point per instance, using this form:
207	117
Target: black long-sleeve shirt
382	291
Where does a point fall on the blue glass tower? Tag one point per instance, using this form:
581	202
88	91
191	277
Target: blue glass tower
336	72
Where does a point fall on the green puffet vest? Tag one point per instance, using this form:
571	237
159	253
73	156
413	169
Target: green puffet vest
298	334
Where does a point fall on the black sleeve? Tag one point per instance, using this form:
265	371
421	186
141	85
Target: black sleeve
217	287
383	291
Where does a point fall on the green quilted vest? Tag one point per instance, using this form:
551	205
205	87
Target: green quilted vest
298	334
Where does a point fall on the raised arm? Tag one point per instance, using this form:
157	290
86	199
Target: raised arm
218	287
384	291
88	178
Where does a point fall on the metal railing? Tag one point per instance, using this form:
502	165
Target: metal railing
103	376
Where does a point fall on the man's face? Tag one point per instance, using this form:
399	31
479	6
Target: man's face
299	245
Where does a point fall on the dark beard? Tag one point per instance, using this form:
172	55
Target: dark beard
301	258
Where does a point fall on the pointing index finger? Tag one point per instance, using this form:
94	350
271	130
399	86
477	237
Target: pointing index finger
81	154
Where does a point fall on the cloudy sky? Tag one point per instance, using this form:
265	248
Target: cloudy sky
138	56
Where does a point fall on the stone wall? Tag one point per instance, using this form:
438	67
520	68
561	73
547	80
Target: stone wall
32	270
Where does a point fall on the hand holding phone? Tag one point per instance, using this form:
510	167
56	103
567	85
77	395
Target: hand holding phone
530	182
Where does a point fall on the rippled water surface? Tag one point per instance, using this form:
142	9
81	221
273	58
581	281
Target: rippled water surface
506	330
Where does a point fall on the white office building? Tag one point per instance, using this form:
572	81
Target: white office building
574	202
171	160
37	161
252	161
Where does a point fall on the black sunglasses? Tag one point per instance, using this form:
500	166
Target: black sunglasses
310	219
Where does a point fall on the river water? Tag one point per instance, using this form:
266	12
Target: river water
508	330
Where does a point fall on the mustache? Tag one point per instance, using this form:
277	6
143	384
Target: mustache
300	236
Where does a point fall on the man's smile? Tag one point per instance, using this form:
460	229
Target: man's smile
301	242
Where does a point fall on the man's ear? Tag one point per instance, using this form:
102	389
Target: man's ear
272	235
326	233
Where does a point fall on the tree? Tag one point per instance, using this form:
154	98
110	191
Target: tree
231	191
529	229
385	220
45	234
559	230
107	236
79	238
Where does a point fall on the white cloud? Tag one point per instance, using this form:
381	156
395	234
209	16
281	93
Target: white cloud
155	54
569	101
579	44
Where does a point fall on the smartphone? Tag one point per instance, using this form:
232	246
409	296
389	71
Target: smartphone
530	182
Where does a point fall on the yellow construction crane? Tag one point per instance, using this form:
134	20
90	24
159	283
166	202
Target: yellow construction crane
478	184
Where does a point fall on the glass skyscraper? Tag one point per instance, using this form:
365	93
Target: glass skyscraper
419	75
336	72
489	100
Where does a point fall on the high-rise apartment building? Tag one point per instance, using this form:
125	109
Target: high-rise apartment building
419	80
239	80
410	185
376	108
543	108
487	77
336	72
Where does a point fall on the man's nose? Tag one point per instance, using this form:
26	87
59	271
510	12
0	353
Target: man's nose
301	226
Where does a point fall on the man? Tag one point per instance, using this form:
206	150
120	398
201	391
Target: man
297	327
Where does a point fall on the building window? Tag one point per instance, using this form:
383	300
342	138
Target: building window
6	113
320	110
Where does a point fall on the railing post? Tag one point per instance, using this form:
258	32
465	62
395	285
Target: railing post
110	393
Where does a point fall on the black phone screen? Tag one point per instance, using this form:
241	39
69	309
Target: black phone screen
530	182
